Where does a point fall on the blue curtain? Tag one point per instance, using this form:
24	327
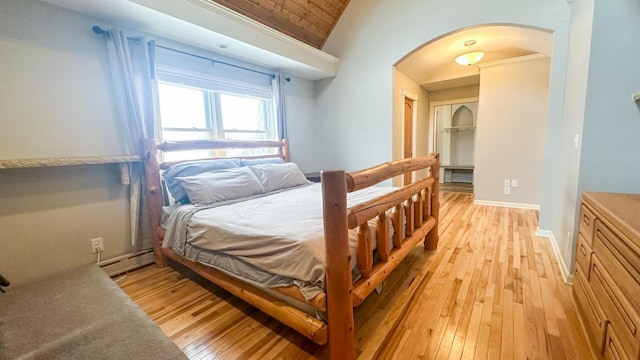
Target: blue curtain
133	72
278	85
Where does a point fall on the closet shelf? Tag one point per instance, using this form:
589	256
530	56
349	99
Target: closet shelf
66	161
458	167
459	128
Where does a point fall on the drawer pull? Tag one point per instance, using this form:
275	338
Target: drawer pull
586	219
584	251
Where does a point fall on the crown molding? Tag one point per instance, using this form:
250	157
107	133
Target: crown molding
513	60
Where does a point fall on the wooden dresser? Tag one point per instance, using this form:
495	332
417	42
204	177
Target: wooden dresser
606	285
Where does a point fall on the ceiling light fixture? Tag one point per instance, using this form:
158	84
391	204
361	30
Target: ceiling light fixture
469	58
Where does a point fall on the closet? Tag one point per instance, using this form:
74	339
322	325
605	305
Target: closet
455	141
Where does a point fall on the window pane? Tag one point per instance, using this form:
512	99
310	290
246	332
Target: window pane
181	106
186	155
186	135
242	113
246	135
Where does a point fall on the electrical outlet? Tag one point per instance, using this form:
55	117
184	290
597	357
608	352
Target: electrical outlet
97	245
507	182
507	190
514	183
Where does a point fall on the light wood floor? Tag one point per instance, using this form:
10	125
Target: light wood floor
492	290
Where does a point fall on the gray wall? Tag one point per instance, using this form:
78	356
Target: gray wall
54	72
558	214
511	129
461	92
56	99
353	109
402	86
610	158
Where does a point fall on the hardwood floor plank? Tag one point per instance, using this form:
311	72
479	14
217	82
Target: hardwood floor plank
492	290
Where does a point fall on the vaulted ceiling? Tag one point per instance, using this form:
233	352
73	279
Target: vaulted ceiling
251	30
309	21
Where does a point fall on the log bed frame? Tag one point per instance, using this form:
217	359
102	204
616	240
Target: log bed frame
415	205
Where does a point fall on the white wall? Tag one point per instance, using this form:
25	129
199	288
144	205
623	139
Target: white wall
56	100
511	129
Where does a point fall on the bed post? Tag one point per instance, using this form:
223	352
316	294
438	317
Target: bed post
284	150
154	195
338	269
431	241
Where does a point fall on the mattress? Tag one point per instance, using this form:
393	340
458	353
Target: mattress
270	240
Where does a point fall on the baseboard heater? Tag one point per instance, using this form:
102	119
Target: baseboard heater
127	262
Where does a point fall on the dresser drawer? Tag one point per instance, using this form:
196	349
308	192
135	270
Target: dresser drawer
621	258
583	256
613	350
587	223
591	313
616	308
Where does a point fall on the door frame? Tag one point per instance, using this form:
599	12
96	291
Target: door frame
432	117
414	116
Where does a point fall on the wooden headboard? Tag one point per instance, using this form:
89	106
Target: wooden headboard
282	148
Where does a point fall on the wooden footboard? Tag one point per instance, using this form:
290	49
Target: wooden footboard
411	211
414	212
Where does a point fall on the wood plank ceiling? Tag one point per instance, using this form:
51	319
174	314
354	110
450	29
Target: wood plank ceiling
309	21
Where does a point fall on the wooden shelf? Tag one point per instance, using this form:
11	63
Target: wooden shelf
68	161
457	167
460	128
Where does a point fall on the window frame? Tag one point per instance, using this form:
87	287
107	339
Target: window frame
212	87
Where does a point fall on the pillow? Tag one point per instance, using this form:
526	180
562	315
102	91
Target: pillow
253	162
208	188
279	176
191	168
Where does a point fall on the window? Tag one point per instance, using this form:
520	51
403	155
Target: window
200	107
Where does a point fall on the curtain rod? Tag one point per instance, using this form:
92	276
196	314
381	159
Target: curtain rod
100	31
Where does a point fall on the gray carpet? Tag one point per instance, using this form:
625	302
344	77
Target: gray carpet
81	314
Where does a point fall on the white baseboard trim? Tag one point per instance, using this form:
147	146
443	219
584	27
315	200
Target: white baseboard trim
127	262
507	204
564	269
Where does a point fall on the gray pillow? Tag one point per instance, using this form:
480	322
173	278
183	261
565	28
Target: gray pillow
230	184
252	162
279	176
191	168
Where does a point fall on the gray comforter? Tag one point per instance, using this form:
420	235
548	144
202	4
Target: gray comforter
269	240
